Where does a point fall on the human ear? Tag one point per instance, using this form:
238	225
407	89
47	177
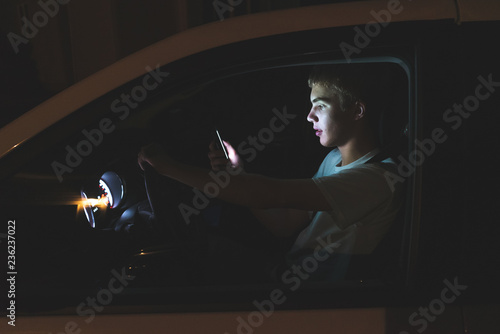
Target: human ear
359	110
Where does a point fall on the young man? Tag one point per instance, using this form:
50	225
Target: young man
346	208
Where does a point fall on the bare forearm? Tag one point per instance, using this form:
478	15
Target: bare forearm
248	190
233	186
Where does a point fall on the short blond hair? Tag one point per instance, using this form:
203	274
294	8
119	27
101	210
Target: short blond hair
334	77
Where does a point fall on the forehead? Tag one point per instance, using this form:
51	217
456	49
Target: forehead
320	92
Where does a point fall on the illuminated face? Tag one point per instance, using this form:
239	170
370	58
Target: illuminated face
332	125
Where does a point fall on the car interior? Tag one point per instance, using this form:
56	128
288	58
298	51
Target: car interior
109	213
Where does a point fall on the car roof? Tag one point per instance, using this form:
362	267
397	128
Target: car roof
212	35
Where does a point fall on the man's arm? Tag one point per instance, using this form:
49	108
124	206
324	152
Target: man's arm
282	222
250	190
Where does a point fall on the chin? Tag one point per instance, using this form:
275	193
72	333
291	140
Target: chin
326	143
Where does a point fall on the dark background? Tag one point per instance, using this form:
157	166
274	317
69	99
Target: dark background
85	36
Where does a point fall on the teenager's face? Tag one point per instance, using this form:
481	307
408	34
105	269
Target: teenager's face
332	125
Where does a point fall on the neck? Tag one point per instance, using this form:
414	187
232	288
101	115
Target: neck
357	147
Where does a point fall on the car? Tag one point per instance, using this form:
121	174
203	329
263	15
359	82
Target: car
87	250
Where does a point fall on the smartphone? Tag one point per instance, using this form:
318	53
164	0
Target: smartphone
219	144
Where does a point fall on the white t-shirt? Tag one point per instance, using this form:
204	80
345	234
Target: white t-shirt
363	207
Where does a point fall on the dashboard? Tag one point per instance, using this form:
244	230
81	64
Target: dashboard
107	194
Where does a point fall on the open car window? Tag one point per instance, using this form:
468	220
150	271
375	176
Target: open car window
85	210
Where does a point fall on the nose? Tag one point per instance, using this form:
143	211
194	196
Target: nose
311	117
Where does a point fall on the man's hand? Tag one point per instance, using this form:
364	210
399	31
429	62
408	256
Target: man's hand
154	155
218	160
